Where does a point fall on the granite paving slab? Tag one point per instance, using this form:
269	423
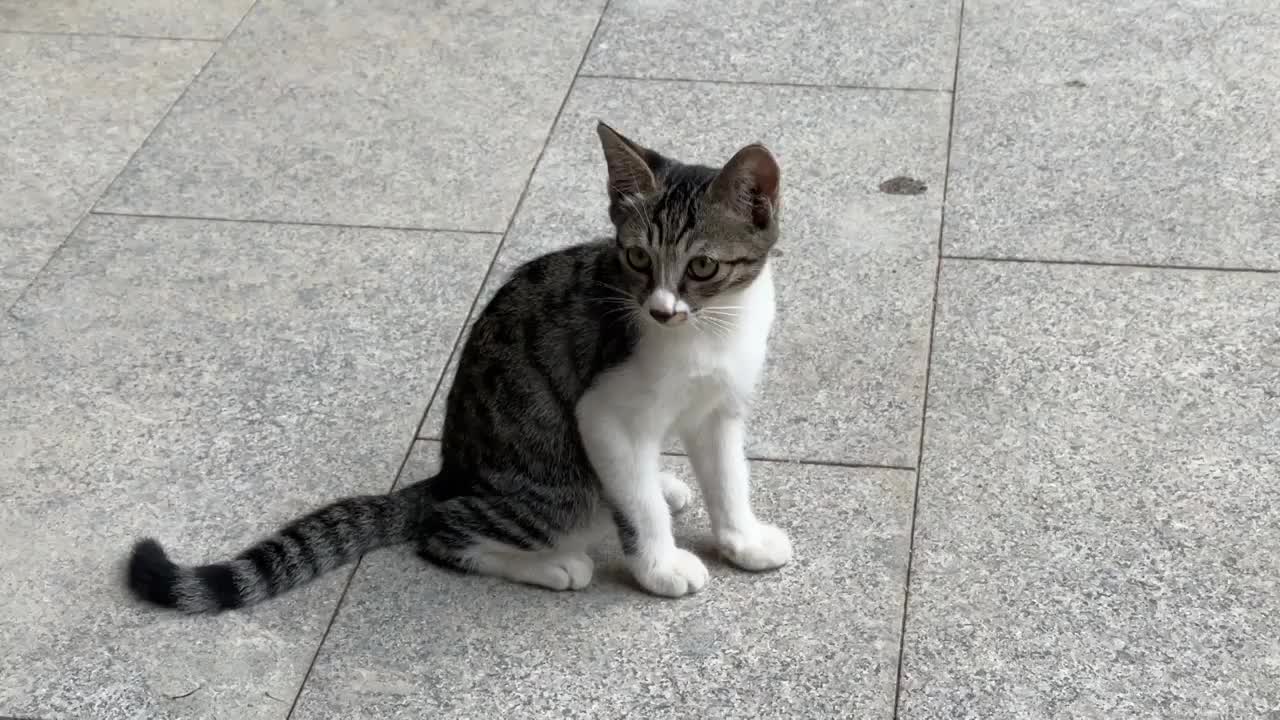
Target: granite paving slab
818	638
1118	131
199	382
199	19
422	115
1098	508
854	42
72	111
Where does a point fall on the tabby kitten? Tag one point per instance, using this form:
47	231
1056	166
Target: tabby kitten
569	382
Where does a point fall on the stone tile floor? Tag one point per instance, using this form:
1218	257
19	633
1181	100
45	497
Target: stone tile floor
1023	425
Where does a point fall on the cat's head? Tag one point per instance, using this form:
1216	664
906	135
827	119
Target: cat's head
690	237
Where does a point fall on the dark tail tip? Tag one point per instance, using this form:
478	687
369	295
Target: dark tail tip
152	575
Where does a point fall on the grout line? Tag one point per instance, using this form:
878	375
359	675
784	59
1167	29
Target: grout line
928	372
759	83
457	341
47	262
123	36
123	167
817	463
1109	264
342	597
324	637
222	42
493	263
303	223
775	459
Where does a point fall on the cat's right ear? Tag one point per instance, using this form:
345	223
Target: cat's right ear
630	173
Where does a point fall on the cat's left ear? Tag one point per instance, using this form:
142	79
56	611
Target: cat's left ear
750	186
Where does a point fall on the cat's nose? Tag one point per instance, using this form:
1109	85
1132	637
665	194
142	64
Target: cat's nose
666	308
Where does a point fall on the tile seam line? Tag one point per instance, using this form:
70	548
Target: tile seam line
776	460
895	711
760	83
1109	264
147	140
850	464
301	223
121	36
493	262
124	166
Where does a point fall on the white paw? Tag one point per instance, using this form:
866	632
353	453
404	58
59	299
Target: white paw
676	491
677	573
578	566
763	547
567	571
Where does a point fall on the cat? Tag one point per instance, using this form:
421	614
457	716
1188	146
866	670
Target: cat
570	381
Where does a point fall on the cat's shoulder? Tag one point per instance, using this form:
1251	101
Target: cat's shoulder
560	272
569	262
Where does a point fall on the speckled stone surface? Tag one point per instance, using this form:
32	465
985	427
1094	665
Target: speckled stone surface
202	382
818	638
72	110
1133	132
23	251
855	267
1098	507
380	113
855	42
203	19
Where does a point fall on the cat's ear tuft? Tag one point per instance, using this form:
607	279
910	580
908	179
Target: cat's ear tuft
750	185
630	172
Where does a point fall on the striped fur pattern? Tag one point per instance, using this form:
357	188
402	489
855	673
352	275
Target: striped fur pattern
524	489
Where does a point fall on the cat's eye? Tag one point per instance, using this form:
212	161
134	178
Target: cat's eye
637	258
702	268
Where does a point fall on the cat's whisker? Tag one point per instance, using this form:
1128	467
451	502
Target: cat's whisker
727	320
615	300
713	325
607	286
623	309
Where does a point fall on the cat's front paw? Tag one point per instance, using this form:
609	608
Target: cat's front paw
761	547
674	574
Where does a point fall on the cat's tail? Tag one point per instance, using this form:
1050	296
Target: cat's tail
301	551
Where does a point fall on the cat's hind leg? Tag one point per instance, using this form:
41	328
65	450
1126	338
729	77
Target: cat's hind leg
567	568
520	529
676	492
555	569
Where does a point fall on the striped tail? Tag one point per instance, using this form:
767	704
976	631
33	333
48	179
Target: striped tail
303	550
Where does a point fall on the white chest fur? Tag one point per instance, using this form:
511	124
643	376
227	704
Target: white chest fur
677	375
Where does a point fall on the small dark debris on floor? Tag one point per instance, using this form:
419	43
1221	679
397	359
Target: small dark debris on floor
1075	83
187	694
903	185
